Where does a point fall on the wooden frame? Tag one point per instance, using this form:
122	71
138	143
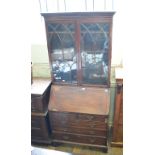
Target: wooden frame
77	18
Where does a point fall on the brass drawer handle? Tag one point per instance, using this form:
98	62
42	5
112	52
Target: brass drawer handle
92	140
35	128
54	109
106	120
90	117
65	137
65	130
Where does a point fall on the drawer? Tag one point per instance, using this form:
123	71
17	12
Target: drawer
77	116
35	122
84	131
39	103
38	137
36	103
86	124
40	125
39	132
79	138
74	119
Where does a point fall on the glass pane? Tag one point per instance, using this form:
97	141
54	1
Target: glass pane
62	45
94	52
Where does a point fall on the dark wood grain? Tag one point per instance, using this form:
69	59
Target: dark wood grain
71	117
60	119
40	128
117	136
79	138
79	109
81	130
79	99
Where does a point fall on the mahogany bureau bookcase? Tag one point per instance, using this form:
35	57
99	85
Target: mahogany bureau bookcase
40	129
79	49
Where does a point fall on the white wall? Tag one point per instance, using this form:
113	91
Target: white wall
37	25
118	34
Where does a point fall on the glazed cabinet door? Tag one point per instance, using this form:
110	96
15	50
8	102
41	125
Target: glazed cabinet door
62	52
79	52
94	48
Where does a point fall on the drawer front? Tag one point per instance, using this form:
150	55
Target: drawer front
76	120
36	103
39	133
77	116
84	131
39	122
39	126
39	103
35	122
79	138
86	124
36	132
38	137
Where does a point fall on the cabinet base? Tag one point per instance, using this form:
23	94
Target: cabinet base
56	143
